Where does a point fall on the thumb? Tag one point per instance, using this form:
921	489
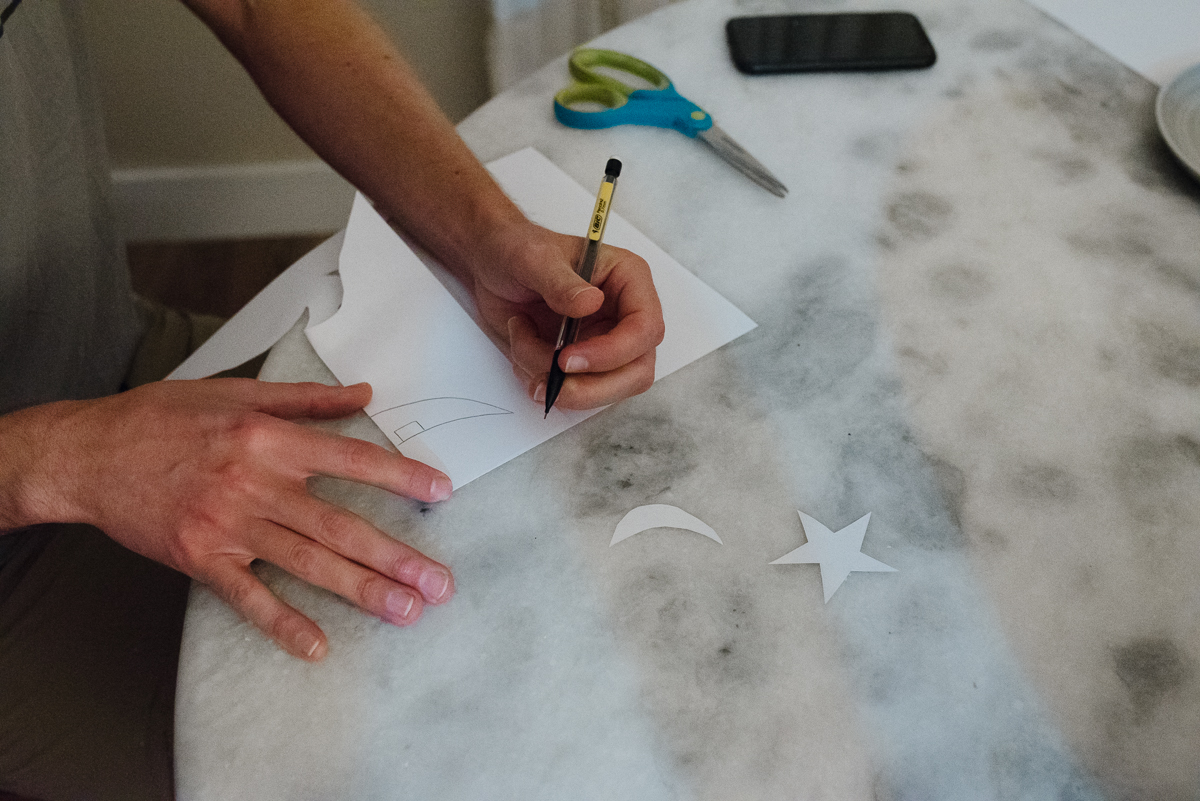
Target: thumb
564	291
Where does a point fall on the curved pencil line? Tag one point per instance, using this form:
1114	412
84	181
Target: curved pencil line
448	422
446	397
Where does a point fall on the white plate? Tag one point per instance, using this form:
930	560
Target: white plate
1178	113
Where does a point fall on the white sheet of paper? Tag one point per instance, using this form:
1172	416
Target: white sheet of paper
1158	38
311	283
443	393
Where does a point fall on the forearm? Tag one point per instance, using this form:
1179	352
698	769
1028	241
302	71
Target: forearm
334	76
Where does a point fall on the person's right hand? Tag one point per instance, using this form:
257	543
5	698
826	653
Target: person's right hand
208	476
524	282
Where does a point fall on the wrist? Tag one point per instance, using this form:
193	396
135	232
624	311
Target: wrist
468	226
33	470
502	245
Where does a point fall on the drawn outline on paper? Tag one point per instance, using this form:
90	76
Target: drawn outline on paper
433	412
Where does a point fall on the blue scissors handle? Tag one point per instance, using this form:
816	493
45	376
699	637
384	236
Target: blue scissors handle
660	107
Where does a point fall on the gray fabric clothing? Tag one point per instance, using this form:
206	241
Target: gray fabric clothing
89	631
68	326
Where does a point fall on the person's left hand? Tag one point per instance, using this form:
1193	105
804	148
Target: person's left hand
524	291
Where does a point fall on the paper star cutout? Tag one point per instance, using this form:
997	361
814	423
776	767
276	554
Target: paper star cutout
837	552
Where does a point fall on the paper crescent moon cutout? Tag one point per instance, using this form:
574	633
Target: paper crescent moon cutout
660	515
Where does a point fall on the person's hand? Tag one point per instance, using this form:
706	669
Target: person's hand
524	290
208	476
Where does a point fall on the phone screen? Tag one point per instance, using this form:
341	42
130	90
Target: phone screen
825	42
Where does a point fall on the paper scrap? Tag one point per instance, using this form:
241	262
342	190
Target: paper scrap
311	283
659	515
837	552
401	330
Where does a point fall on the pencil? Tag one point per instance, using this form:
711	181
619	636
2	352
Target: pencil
569	329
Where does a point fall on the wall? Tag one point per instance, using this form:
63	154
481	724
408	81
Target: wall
196	151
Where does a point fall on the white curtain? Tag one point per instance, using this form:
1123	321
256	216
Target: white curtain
526	34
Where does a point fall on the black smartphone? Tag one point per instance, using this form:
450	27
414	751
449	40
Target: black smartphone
892	40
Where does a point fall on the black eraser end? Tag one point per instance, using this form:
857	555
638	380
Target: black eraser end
613	168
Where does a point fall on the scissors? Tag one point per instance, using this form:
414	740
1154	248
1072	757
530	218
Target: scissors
661	107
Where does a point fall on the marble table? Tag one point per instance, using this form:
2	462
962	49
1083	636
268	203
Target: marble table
979	320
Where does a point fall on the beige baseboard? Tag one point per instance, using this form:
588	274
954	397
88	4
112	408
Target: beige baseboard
230	202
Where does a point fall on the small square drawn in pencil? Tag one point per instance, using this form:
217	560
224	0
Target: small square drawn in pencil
420	416
407	432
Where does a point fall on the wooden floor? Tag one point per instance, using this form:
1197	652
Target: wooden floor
212	277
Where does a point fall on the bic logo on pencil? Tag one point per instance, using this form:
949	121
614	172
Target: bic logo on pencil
598	220
600	215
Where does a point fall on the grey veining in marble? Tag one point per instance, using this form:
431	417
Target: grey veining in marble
978	320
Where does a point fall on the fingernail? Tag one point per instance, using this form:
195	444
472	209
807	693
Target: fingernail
539	394
440	488
399	604
313	649
576	364
433	584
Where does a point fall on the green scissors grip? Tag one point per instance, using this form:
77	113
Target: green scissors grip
661	106
584	59
591	93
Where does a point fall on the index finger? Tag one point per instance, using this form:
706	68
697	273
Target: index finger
639	327
312	452
291	401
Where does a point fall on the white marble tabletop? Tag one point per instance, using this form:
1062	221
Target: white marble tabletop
979	320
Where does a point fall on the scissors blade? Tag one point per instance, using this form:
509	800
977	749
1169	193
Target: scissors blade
736	155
